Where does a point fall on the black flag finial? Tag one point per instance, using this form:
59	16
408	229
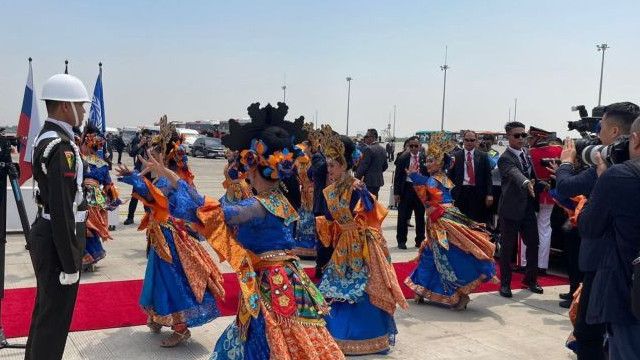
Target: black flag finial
30	59
66	66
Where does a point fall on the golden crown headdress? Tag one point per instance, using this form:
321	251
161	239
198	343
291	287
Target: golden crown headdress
438	146
329	141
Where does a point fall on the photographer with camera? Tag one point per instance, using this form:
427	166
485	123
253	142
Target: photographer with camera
572	181
611	221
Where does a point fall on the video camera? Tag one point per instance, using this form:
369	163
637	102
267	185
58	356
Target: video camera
589	145
587	124
5	147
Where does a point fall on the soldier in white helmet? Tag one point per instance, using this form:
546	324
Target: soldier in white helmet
56	241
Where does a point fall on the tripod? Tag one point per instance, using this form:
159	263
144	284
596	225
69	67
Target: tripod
8	170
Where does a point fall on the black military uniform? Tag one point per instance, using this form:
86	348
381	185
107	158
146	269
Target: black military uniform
56	241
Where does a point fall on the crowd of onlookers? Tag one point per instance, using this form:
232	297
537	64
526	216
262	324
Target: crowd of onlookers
589	212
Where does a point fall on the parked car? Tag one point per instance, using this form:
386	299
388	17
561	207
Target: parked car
208	147
190	136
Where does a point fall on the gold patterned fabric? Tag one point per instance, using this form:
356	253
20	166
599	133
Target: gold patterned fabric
303	164
452	300
364	347
276	203
236	189
291	340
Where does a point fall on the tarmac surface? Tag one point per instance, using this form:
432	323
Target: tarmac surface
528	326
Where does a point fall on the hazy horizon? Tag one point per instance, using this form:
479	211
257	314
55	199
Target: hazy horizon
199	60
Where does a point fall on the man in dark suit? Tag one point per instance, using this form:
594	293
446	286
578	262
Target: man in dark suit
405	196
611	218
138	149
517	209
373	163
391	148
471	175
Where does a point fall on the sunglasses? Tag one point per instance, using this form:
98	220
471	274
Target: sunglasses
414	146
520	136
470	140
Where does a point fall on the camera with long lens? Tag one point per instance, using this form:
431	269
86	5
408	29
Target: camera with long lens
587	124
589	145
615	153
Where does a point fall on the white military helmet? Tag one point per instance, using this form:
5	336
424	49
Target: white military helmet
65	88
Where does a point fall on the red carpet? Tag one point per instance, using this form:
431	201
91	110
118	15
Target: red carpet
114	304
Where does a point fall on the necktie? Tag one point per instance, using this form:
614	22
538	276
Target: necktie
470	171
415	162
525	165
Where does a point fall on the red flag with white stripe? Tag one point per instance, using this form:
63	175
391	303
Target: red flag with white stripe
28	127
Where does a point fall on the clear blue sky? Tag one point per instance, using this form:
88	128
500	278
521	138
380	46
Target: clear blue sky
210	59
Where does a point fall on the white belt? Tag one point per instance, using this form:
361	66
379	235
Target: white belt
80	216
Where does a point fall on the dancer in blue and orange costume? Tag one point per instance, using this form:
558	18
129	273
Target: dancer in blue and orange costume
101	195
457	255
359	280
181	281
236	186
306	240
280	311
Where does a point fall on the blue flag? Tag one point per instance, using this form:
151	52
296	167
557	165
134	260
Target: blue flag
96	114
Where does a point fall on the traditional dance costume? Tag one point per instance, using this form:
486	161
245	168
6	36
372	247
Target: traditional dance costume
359	280
101	195
181	281
457	255
280	314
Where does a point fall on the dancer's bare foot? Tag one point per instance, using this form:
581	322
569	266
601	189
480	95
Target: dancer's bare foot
176	338
419	299
462	304
154	326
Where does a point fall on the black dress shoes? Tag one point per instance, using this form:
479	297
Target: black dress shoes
402	246
534	287
128	222
565	304
566	296
505	291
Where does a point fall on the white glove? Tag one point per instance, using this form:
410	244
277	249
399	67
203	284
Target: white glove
69	279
